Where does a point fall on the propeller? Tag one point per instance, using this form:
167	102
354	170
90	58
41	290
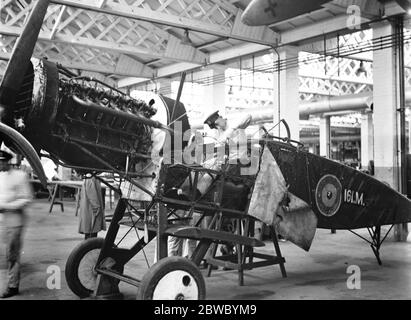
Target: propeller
12	80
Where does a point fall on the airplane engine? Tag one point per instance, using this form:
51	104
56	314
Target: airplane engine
79	120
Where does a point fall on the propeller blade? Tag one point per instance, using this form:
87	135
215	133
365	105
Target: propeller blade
26	150
22	52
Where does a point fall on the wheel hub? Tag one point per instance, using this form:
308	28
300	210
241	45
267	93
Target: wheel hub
176	285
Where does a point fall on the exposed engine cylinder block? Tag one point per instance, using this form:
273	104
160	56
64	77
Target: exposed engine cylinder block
79	113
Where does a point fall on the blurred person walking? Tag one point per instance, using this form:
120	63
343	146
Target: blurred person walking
15	195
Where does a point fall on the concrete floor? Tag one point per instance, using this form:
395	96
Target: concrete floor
318	274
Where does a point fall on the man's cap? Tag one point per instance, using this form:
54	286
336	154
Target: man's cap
5	156
212	119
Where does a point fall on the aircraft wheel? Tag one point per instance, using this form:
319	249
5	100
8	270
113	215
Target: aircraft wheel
80	271
173	278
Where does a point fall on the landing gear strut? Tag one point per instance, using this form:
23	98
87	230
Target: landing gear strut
376	241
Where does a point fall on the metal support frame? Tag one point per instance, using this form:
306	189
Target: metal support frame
399	33
112	258
402	229
244	226
245	256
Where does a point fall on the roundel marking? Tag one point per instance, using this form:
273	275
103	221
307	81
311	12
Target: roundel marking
328	195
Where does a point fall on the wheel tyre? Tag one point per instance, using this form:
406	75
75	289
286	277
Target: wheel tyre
73	264
164	267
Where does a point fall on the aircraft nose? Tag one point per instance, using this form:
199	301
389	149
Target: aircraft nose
251	16
254	18
246	19
259	13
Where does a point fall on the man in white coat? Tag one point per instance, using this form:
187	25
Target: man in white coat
226	132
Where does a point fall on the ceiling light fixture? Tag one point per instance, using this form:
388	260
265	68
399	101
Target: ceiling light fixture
361	69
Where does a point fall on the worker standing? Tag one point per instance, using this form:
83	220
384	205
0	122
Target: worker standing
92	218
15	195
